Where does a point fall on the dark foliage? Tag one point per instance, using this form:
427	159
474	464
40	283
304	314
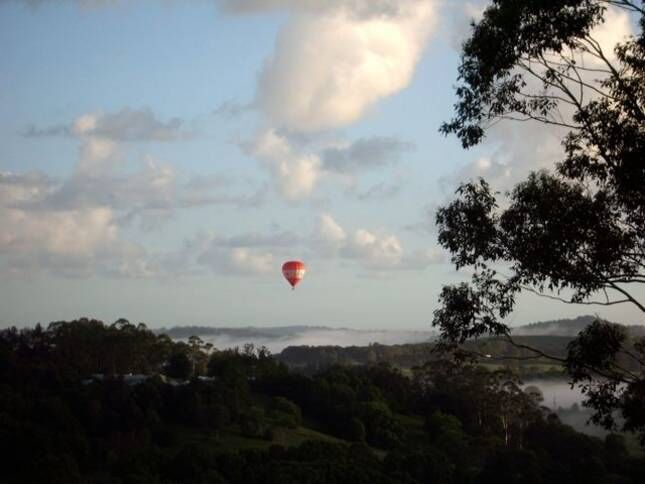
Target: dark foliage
575	234
60	424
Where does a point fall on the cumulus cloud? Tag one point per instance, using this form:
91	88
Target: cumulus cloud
240	261
99	181
328	237
374	251
331	63
237	260
257	254
329	231
75	240
69	240
295	173
64	240
245	254
125	125
18	188
72	232
150	194
72	227
297	167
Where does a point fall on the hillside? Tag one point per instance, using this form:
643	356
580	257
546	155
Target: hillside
73	413
277	338
312	348
568	327
310	359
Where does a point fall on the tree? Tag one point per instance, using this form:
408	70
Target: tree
198	351
179	366
576	233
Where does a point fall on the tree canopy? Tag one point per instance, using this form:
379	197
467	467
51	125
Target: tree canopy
575	233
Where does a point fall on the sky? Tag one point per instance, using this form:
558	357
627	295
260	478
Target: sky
161	159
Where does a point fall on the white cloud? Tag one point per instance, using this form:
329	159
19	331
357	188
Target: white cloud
379	252
16	189
295	173
85	124
374	251
332	61
150	195
52	240
616	28
74	232
297	167
329	231
244	260
328	237
43	238
330	64
236	260
97	156
72	227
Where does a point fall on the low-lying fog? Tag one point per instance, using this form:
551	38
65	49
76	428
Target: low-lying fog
276	341
566	402
557	393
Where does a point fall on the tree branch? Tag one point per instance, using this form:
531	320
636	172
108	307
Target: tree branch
568	301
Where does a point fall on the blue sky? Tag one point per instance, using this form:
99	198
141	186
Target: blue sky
159	160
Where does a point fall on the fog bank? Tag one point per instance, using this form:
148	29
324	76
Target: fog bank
278	338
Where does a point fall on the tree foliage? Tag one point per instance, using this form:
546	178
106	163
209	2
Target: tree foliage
575	234
58	426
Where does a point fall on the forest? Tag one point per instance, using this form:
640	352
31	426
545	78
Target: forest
85	401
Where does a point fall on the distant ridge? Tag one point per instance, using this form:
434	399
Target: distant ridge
277	338
567	327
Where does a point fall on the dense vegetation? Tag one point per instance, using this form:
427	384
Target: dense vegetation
71	412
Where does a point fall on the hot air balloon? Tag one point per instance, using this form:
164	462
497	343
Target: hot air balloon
293	271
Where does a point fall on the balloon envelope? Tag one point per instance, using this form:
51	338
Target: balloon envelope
293	271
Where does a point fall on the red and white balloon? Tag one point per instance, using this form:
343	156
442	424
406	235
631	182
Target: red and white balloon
293	271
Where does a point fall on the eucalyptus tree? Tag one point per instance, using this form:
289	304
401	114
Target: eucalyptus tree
575	233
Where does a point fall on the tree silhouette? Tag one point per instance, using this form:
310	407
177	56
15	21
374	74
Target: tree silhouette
575	234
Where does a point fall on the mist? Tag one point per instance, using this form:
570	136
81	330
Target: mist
566	403
276	339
